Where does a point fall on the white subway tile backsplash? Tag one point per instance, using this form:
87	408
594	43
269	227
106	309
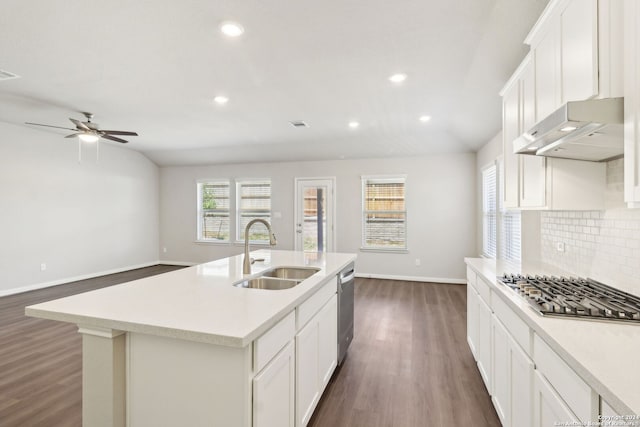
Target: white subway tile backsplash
603	245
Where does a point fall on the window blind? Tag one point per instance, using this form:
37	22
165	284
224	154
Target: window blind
489	211
213	210
384	213
253	201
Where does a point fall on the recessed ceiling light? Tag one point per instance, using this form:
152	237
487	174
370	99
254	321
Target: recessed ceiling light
231	29
221	99
568	128
354	125
424	119
398	78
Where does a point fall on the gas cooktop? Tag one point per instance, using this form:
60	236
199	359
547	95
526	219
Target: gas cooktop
574	297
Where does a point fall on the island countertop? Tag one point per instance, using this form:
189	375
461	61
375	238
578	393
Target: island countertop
197	303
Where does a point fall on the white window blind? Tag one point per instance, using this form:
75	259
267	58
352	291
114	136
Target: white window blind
509	225
489	211
213	210
384	214
253	200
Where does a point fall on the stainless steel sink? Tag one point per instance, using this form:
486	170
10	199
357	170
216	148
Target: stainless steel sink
271	283
295	273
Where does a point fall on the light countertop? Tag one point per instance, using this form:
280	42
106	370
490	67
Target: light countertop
605	354
197	303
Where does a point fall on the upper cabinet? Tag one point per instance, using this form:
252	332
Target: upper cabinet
576	54
632	103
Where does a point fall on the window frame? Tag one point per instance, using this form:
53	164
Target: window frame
238	210
397	178
488	214
200	211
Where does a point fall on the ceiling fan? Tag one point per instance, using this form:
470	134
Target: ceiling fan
91	132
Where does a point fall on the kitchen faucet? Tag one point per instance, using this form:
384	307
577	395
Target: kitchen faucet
246	264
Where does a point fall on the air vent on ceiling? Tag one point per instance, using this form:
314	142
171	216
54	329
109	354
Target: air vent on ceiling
299	124
5	75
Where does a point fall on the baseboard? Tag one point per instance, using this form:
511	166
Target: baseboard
413	278
36	286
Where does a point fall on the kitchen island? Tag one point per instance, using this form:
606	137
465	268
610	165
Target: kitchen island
189	348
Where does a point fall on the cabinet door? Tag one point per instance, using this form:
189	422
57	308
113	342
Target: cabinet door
532	181
472	320
579	27
484	343
548	408
528	95
632	103
522	369
307	368
274	393
547	70
328	341
511	131
501	395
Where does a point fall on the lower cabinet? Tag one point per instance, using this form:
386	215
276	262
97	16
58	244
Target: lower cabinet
274	391
472	320
316	356
548	407
484	343
512	379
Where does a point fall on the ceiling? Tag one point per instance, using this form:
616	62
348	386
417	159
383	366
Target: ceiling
155	66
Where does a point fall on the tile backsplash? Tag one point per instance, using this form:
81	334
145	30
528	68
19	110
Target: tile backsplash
603	245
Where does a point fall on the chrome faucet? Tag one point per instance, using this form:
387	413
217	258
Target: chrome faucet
246	263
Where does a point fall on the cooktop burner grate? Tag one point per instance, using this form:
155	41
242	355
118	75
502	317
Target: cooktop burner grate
574	297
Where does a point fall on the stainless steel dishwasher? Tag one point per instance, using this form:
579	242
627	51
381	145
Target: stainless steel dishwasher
346	281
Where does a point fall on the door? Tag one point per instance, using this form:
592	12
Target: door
307	367
273	391
314	228
328	341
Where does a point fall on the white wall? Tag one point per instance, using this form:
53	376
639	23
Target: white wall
441	194
80	219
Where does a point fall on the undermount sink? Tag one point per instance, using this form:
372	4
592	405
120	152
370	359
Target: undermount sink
295	273
278	278
271	283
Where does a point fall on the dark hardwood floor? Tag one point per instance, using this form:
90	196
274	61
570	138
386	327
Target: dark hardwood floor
41	360
409	364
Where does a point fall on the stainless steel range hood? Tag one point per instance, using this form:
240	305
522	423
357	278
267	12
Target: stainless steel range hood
582	130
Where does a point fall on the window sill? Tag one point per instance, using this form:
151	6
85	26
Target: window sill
386	250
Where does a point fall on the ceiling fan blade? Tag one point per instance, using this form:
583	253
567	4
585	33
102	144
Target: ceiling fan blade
118	132
113	138
73	135
49	126
80	125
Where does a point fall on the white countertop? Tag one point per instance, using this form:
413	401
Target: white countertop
605	354
197	303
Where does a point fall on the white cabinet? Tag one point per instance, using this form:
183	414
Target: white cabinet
274	392
523	183
548	407
472	320
484	343
632	104
512	379
547	68
316	356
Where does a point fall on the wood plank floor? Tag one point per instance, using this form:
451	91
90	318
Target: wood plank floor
41	360
409	364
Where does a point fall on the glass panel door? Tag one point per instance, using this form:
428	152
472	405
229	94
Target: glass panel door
314	215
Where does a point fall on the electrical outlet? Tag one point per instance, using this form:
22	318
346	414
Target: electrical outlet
43	266
418	262
560	246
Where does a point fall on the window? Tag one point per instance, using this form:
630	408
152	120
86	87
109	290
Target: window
384	213
213	211
489	211
509	225
253	200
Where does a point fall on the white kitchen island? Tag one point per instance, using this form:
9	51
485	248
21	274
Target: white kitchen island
189	348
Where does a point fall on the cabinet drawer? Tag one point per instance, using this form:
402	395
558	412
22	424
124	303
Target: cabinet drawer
484	289
310	307
272	341
577	394
471	278
515	325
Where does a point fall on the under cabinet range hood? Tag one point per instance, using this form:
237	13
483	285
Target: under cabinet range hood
581	130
